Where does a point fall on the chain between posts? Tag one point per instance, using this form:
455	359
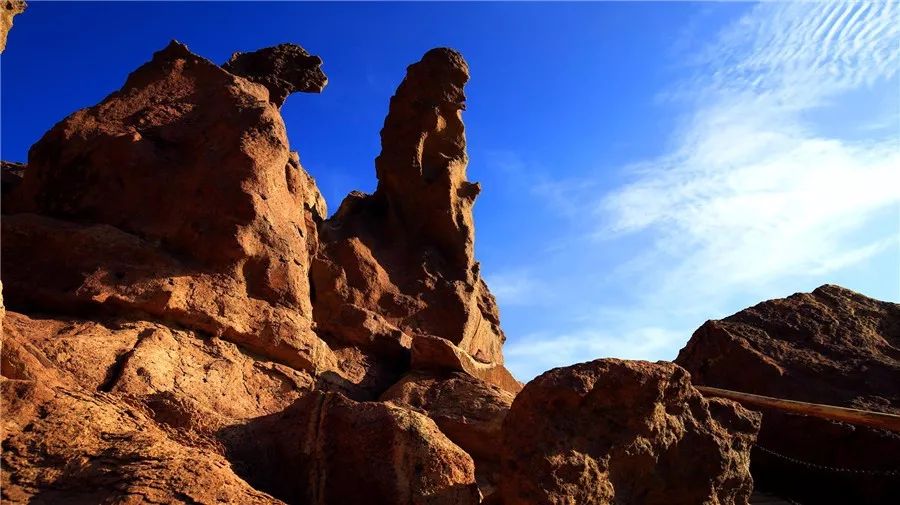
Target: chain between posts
816	466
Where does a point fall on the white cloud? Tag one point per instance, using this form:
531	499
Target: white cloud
532	354
752	193
516	288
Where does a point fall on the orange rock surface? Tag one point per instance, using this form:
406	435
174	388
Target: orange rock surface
184	323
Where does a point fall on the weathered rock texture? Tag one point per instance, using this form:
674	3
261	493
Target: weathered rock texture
64	445
282	69
186	326
177	197
469	411
831	346
8	10
327	449
162	344
399	264
613	431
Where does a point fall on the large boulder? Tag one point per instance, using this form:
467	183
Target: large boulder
468	410
614	431
400	264
832	346
329	449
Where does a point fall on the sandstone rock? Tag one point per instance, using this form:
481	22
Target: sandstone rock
434	353
400	263
186	382
63	445
282	69
93	270
328	449
8	10
468	410
831	346
613	431
130	172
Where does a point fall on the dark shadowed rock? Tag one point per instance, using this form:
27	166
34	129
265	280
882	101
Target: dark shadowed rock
613	431
282	69
327	449
11	175
831	346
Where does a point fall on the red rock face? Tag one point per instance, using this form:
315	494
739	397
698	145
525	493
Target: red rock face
613	431
68	445
831	346
400	264
156	254
328	449
185	326
175	212
468	410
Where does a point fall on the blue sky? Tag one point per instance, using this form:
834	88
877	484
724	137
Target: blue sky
645	166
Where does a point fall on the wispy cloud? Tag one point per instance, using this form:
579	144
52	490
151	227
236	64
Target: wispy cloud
518	287
752	192
756	188
532	354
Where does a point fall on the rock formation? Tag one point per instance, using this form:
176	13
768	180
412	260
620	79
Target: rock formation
327	449
468	410
399	264
175	212
831	346
613	431
282	69
184	325
8	10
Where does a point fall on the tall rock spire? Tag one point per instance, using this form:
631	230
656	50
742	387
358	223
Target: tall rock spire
422	166
399	265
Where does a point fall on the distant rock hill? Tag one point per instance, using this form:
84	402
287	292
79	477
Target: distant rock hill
185	324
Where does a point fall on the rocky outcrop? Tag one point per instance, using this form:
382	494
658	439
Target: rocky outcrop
11	175
282	69
156	257
613	431
186	326
8	10
151	203
468	410
439	354
327	449
399	264
831	346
